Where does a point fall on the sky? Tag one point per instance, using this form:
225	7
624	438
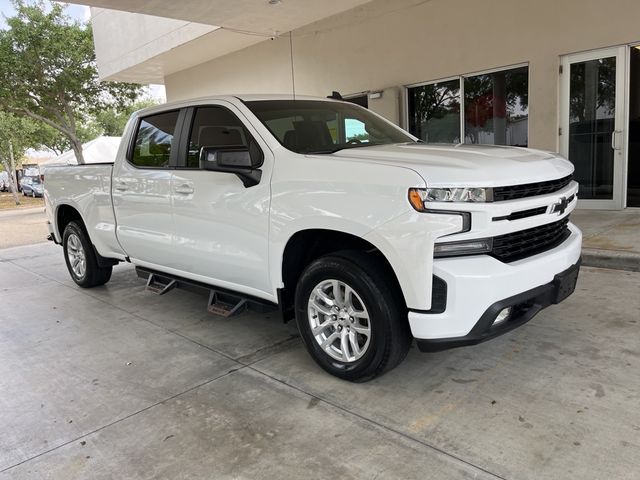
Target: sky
78	12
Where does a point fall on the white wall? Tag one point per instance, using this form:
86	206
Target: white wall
385	45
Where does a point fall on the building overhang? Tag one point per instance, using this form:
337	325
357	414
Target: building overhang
146	40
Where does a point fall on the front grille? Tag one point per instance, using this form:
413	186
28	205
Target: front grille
530	189
525	243
532	212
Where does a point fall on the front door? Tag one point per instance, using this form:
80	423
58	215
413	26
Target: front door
221	226
592	124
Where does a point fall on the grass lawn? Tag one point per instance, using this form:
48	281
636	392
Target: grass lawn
7	202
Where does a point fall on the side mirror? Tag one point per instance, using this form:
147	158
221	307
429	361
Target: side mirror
236	160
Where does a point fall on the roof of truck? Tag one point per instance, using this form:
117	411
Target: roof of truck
230	98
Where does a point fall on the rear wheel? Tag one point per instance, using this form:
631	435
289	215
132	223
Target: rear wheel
81	259
352	321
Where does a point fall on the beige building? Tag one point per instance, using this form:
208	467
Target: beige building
561	75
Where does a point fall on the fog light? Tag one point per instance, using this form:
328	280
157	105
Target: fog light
465	247
502	316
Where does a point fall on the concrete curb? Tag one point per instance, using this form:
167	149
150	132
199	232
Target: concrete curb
614	259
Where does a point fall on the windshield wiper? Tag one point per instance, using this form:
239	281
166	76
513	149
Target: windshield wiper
343	147
322	152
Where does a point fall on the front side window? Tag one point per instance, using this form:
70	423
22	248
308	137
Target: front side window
215	127
494	109
315	126
153	140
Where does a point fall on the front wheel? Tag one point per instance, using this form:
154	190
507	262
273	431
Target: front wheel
81	259
352	320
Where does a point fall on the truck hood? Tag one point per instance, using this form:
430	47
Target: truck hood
466	165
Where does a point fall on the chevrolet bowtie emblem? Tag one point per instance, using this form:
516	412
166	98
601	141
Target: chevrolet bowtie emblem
561	206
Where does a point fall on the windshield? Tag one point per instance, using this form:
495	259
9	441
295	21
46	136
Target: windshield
316	126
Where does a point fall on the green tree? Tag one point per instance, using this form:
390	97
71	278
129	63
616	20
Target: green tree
48	72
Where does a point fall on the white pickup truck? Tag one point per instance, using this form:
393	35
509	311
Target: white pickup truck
368	237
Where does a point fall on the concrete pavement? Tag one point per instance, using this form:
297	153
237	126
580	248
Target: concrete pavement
22	226
611	238
115	382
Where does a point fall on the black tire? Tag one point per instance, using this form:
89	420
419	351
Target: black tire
390	334
94	275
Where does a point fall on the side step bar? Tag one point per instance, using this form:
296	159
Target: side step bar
221	301
156	285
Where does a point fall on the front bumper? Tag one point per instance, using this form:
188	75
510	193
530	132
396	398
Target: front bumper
524	307
479	287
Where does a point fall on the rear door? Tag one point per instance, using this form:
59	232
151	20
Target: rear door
141	189
221	226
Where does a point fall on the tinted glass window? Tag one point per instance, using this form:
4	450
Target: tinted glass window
434	112
312	126
154	139
215	127
494	108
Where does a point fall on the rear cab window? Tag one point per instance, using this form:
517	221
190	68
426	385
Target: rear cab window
154	140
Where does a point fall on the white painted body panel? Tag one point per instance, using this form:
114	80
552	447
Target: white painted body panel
88	190
224	234
474	283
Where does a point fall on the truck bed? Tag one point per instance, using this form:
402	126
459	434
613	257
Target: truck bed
87	188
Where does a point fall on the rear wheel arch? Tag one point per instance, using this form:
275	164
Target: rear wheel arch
66	214
305	246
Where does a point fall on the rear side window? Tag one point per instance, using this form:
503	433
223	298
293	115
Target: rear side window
154	139
215	127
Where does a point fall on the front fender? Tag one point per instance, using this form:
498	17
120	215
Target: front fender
407	243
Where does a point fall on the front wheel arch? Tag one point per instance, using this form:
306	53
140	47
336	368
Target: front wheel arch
305	246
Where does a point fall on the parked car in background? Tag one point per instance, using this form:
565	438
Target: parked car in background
4	182
32	187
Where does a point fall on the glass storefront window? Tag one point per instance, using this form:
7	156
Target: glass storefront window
495	109
434	112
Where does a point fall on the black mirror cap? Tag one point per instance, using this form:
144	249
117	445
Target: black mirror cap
215	158
238	160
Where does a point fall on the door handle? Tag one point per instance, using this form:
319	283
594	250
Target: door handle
184	189
121	187
614	140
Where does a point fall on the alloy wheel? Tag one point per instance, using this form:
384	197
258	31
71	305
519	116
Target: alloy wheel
339	320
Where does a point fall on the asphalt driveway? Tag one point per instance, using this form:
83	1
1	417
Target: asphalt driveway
116	382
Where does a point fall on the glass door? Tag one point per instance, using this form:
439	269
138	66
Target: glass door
592	130
633	155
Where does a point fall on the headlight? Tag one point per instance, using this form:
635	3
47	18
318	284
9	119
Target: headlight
453	194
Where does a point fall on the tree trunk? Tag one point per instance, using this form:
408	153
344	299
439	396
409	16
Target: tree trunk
76	145
12	177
